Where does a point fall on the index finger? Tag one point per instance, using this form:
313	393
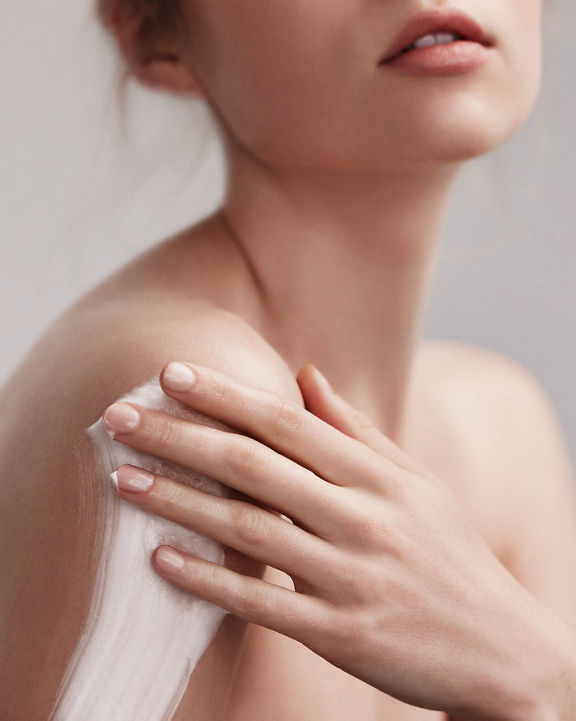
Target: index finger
282	425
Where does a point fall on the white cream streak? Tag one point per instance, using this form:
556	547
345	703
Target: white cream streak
143	637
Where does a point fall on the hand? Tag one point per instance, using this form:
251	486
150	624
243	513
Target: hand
392	582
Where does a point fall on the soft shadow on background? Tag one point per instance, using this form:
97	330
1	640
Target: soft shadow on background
78	198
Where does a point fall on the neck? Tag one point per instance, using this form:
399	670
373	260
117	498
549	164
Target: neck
341	265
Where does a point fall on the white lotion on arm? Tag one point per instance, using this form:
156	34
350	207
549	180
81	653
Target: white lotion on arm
143	636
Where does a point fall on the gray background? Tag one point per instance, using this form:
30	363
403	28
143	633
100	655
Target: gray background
80	194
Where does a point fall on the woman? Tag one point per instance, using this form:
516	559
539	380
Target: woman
429	582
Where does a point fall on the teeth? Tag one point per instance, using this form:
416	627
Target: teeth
434	39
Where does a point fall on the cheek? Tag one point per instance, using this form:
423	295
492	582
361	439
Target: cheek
276	89
283	116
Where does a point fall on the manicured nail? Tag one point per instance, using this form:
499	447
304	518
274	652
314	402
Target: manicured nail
128	478
169	560
120	418
178	377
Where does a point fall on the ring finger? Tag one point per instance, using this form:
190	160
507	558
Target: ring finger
257	533
241	463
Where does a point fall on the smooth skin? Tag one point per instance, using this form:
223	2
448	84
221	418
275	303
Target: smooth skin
339	170
340	174
339	177
381	554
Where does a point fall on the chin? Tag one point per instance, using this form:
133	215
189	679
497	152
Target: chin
466	130
462	143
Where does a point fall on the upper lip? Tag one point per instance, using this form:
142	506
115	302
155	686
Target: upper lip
437	21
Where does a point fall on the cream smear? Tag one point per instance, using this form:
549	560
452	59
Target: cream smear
143	637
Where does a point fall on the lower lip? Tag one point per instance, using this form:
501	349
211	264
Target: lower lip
454	58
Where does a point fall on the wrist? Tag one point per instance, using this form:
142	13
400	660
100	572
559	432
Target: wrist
532	675
562	704
548	692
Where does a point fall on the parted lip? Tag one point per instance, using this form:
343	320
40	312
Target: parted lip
437	21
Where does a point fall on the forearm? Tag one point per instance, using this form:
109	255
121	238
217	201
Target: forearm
536	680
555	697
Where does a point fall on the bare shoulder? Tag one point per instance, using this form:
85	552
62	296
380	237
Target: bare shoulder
87	359
484	386
106	349
457	364
51	510
517	459
501	409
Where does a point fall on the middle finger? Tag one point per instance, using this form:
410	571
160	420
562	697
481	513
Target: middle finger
239	462
289	429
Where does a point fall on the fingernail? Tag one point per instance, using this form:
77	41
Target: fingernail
169	560
127	478
120	418
178	377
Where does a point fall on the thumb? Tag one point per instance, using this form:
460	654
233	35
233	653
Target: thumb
323	401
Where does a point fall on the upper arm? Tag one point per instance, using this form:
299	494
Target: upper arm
522	467
56	494
542	505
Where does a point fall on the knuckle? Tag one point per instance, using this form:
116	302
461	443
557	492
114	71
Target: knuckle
255	602
162	432
248	524
353	583
208	574
213	387
365	529
398	489
362	421
387	478
323	620
352	628
286	414
244	456
356	631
